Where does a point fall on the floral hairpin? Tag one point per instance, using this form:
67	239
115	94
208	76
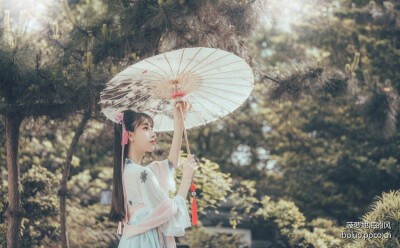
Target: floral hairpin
120	118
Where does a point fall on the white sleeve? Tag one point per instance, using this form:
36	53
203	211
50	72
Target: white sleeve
164	172
176	225
156	199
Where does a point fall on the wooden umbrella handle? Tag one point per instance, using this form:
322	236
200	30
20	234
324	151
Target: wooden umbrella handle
193	187
183	125
185	134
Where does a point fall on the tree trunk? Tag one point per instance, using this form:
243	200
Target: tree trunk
15	211
63	192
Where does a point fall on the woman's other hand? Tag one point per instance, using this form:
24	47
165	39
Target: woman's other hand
189	168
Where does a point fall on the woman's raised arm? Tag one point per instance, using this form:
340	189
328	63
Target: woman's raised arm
173	156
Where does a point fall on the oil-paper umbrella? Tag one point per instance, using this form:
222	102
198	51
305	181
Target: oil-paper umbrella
213	81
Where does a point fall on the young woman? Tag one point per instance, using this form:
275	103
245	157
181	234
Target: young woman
151	218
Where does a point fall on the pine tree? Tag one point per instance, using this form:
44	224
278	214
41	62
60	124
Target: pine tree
33	83
332	110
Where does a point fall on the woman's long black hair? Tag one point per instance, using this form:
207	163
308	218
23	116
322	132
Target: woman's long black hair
132	120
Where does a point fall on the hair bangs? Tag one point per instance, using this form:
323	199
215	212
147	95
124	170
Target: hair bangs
142	118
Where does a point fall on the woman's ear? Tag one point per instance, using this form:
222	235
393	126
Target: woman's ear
130	136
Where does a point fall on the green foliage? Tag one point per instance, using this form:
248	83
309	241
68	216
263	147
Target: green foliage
42	156
353	36
115	30
381	111
293	228
385	210
86	186
46	142
212	185
288	217
326	160
297	82
285	224
221	141
244	201
41	204
39	199
198	237
89	226
88	223
3	207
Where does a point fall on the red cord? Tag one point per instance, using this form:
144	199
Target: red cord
178	94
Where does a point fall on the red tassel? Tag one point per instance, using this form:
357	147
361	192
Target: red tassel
194	205
124	137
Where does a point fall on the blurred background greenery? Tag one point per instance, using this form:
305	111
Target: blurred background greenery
317	144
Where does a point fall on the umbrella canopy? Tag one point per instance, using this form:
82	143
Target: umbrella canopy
213	81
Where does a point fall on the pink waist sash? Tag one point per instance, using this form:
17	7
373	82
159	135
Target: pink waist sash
155	219
132	212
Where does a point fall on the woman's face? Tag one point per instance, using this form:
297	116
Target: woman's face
143	138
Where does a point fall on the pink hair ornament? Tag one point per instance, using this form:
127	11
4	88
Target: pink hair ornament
120	118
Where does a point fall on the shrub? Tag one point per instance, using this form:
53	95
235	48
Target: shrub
385	210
